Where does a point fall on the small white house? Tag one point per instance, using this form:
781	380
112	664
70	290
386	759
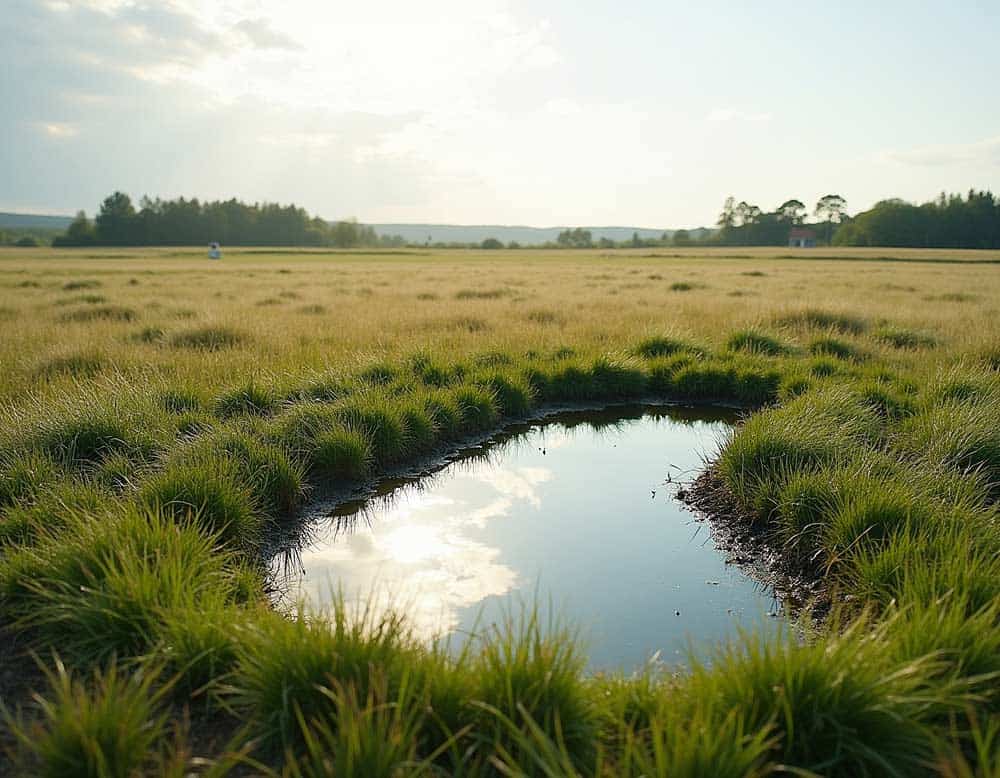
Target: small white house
799	238
214	251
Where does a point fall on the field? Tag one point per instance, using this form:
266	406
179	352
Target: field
161	414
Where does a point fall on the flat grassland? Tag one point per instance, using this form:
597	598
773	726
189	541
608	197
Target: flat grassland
68	314
161	413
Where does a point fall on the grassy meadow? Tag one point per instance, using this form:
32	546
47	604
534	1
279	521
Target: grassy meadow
161	414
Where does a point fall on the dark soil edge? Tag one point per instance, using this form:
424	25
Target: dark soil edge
749	544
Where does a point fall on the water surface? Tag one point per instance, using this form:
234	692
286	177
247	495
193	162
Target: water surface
579	510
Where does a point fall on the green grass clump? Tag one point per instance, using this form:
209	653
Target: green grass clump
289	669
527	671
964	436
24	475
373	735
660	372
815	318
52	509
298	425
112	726
430	371
380	422
100	313
378	374
421	430
100	586
209	338
198	647
207	492
755	342
324	387
84	283
275	480
990	358
815	429
901	338
180	399
513	395
477	407
84	364
88	435
249	399
445	414
833	347
864	518
341	453
663	346
824	367
837	707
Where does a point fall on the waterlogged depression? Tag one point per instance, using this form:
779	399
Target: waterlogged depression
578	512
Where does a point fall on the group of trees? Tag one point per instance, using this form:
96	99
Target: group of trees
231	222
947	222
743	224
950	221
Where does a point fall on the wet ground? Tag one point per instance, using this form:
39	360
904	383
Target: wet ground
578	512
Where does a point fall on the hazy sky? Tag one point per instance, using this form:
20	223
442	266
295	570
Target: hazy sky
550	112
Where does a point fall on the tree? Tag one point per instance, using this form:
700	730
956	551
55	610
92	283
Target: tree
682	238
578	238
79	233
830	208
491	244
116	222
727	219
791	211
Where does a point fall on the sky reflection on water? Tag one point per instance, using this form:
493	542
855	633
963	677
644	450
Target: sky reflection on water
574	511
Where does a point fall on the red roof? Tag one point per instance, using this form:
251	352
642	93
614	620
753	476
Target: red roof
798	232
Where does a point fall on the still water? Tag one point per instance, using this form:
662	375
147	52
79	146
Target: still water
578	510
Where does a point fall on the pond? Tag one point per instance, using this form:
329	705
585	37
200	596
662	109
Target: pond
577	512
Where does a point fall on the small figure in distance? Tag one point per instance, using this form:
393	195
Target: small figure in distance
214	252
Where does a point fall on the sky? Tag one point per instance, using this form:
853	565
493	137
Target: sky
550	112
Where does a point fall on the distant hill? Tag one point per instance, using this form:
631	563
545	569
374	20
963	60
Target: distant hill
527	236
33	221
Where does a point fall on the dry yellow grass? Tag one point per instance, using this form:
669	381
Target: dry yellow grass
302	310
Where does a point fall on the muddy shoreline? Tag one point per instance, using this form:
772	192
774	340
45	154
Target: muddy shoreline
755	549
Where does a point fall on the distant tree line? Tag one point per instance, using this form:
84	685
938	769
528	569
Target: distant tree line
184	222
950	221
744	224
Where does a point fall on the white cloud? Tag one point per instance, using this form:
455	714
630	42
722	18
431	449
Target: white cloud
984	152
59	130
263	35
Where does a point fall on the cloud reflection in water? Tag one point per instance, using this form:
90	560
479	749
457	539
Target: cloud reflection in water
420	555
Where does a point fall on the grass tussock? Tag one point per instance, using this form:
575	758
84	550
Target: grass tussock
756	342
817	319
100	313
84	283
208	338
902	338
99	587
84	364
110	725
